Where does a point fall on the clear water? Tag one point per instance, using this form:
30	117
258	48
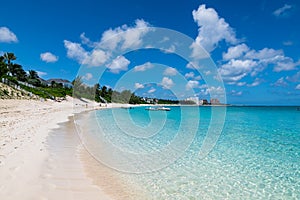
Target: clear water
257	156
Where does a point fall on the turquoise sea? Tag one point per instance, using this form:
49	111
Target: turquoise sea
256	155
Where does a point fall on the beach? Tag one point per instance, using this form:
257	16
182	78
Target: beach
34	162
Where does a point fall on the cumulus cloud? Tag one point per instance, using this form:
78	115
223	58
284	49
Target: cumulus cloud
75	51
192	84
143	67
167	83
87	41
118	64
88	76
120	38
212	30
94	58
283	11
286	65
170	71
245	61
7	36
239	60
191	75
48	57
192	65
127	37
138	86
235	70
151	90
235	52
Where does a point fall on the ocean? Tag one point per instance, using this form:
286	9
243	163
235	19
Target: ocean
200	152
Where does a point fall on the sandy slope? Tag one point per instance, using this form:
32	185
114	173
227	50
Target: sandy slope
28	167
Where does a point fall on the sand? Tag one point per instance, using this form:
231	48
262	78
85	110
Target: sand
36	162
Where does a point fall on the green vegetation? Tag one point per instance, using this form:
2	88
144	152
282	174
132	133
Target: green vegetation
103	94
13	73
167	101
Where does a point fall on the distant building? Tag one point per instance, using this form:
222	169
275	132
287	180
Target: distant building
150	100
65	83
194	99
214	102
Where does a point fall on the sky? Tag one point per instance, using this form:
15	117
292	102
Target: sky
252	47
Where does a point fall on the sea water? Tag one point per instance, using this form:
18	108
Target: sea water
256	155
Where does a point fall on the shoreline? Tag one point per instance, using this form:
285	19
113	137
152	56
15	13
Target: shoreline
26	126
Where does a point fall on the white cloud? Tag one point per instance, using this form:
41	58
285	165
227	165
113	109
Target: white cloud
189	75
294	78
143	67
236	93
235	52
266	55
235	70
252	62
192	84
207	72
256	82
214	91
96	58
171	49
7	36
212	30
138	86
87	41
241	83
48	57
112	40
127	37
75	51
298	87
170	71
283	11
88	76
286	65
118	64
151	90
281	82
192	65
41	74
167	83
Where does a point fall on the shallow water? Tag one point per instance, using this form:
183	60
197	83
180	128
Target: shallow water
257	155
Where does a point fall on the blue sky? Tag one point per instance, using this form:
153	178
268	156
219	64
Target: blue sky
254	44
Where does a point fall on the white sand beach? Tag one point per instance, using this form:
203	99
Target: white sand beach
29	166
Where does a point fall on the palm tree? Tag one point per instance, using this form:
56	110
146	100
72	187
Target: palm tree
20	73
8	57
14	68
3	67
33	74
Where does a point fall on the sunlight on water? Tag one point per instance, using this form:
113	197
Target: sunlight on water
256	157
